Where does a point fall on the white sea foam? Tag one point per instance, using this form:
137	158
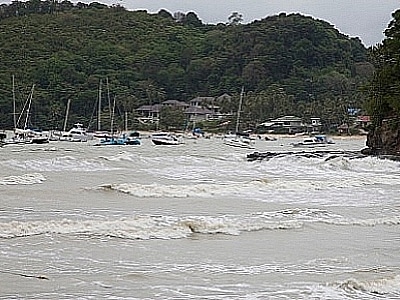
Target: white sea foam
390	220
146	226
172	191
313	215
302	214
322	216
208	177
25	179
262	188
375	165
59	164
389	286
294	173
121	156
302	165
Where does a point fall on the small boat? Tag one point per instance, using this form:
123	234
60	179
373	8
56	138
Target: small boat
102	135
163	138
27	136
240	141
76	134
314	141
36	136
119	141
123	139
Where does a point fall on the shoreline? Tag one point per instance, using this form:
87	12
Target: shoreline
334	137
147	133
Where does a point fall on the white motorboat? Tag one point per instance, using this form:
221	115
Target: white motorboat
164	138
314	141
76	134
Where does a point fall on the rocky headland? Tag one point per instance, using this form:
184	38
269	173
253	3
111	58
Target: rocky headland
384	140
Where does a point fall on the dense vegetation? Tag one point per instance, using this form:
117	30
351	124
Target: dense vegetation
385	87
288	64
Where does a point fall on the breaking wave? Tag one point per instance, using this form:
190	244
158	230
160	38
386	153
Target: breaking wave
170	227
121	157
26	179
310	215
388	287
146	227
392	220
171	191
261	188
65	163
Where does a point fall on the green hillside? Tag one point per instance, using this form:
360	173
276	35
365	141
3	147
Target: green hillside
288	64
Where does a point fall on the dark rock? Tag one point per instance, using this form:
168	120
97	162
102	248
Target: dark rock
384	139
327	155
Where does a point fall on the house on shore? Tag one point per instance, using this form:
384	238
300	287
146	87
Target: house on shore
198	109
286	125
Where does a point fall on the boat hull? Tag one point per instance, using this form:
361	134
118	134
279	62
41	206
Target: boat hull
165	139
165	142
239	143
315	145
118	142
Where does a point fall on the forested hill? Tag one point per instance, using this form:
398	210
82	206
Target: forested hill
287	63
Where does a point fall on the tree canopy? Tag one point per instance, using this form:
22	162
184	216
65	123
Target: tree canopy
287	63
385	87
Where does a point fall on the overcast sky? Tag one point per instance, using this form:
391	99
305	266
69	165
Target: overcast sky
366	19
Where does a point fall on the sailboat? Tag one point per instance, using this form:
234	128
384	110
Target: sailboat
77	133
99	132
26	135
117	140
237	139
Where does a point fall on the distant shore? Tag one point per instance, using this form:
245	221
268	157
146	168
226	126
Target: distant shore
269	135
263	136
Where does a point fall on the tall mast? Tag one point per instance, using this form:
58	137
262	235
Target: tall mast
239	110
112	118
14	108
23	110
66	115
126	121
99	110
108	97
29	108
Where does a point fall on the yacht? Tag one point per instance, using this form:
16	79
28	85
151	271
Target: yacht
76	134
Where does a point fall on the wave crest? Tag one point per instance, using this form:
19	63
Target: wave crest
59	164
25	179
392	220
382	286
169	191
145	227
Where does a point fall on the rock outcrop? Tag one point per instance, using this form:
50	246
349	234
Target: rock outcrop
384	139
